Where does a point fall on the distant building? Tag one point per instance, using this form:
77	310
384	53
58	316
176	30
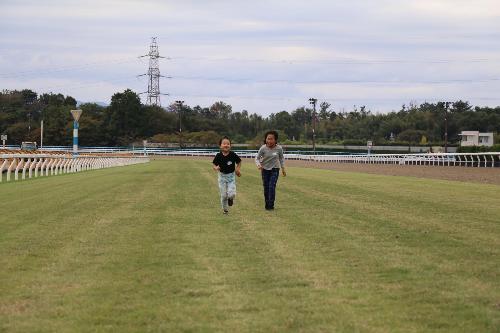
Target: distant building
474	138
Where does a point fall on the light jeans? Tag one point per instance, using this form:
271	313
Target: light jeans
227	188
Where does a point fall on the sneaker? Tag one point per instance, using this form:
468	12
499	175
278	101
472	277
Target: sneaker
230	201
225	211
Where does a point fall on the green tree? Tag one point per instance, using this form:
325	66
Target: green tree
58	124
124	119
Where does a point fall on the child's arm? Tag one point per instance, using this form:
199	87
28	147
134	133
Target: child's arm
238	166
281	158
215	163
257	159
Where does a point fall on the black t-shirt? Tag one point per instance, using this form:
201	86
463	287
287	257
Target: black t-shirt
226	163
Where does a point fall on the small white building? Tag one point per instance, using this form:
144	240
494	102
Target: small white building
474	138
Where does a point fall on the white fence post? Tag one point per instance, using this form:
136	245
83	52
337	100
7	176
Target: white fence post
55	164
3	166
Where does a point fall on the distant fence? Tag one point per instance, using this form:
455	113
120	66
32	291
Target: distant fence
302	149
320	148
489	159
485	159
27	165
436	159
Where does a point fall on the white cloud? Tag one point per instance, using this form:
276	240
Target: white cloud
460	10
259	50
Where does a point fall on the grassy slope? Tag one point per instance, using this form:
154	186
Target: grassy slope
146	248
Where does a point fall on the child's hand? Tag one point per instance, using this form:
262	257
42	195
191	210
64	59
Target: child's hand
259	167
216	168
238	173
283	172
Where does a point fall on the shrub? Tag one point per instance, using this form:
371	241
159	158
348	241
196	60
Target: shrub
479	149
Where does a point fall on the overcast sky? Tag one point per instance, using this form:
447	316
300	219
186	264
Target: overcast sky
261	56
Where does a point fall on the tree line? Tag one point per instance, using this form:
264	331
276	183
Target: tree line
126	121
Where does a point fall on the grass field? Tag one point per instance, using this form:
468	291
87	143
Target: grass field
145	248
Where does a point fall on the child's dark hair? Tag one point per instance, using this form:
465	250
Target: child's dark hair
273	133
225	137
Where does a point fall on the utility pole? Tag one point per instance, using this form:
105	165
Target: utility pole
179	109
30	104
153	74
29	125
41	134
313	101
446	106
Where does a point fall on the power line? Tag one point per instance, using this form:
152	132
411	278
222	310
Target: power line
67	68
360	81
94	83
154	75
327	98
345	61
129	79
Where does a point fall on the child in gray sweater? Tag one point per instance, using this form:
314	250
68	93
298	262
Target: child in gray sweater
269	161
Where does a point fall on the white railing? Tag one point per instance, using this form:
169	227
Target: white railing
27	165
489	159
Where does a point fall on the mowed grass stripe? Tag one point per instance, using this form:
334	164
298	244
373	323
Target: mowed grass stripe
396	242
365	228
146	248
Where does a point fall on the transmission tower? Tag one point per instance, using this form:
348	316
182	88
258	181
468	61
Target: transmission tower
153	74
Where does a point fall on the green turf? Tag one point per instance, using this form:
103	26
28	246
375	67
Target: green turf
145	248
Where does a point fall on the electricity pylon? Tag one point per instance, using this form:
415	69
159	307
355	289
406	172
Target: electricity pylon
153	74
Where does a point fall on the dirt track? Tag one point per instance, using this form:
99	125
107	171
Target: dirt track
465	174
475	175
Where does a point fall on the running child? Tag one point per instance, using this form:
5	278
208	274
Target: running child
269	160
227	163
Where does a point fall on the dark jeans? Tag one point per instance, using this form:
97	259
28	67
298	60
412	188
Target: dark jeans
269	180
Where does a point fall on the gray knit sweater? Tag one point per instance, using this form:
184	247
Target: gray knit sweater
270	158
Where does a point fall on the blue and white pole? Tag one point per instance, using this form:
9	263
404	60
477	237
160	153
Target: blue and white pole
75	137
76	116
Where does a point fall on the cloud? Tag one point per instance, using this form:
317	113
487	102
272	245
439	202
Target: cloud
263	56
457	10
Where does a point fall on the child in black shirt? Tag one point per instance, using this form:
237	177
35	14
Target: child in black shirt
228	164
